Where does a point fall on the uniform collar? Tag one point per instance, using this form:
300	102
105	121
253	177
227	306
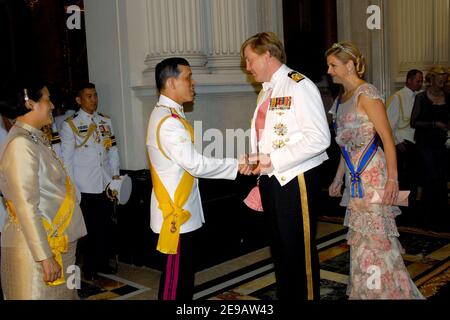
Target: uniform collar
29	128
83	113
275	77
167	102
410	92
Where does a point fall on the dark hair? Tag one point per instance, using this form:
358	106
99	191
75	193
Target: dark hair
87	85
12	98
412	74
168	68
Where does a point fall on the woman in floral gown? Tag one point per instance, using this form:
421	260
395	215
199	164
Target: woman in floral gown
377	270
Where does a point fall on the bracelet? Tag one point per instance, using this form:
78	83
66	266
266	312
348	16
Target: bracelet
393	180
339	181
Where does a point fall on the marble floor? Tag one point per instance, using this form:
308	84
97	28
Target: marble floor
251	276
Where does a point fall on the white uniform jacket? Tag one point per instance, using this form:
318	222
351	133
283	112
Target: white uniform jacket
59	120
92	165
296	132
399	114
176	143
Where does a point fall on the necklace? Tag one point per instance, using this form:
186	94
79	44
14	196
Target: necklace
46	142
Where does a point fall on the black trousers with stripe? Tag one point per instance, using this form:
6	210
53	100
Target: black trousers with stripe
95	248
177	278
293	233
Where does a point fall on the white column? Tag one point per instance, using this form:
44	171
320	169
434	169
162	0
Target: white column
176	28
420	35
228	21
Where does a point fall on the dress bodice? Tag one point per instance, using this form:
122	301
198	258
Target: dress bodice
354	129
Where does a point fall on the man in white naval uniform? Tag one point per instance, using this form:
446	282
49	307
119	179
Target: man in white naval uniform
90	154
399	108
289	138
176	209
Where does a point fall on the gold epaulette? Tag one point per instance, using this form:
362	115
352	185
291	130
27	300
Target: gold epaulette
103	115
296	76
71	117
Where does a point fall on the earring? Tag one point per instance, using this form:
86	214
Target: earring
25	92
27	100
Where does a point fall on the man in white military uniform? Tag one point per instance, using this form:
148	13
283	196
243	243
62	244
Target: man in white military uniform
176	209
91	156
399	108
289	136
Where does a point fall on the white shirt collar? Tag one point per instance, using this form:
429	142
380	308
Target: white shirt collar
275	77
167	102
410	92
86	115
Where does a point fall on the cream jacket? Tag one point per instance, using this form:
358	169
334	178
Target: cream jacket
33	179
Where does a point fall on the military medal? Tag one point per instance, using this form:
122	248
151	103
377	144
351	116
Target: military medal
278	144
281	129
173	229
280	103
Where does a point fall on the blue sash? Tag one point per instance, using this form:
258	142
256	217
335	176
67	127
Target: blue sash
369	151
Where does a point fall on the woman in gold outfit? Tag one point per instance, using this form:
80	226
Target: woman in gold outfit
44	222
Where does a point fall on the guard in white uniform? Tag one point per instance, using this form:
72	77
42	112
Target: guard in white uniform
90	153
176	209
289	134
399	108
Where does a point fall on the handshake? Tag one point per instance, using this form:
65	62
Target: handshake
257	163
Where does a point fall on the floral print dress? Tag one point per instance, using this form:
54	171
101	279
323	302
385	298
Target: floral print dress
377	270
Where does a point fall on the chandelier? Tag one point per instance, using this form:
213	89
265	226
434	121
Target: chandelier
31	3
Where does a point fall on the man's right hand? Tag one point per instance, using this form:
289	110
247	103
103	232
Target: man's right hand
51	269
244	167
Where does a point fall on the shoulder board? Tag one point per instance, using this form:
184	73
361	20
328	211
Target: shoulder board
103	115
296	76
71	117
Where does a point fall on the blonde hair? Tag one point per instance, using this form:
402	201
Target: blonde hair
434	71
346	51
265	41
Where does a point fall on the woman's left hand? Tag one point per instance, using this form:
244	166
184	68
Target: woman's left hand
390	192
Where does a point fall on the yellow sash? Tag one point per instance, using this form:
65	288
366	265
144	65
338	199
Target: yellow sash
173	213
402	113
57	240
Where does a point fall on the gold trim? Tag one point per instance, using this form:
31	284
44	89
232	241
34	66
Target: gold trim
158	129
306	234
